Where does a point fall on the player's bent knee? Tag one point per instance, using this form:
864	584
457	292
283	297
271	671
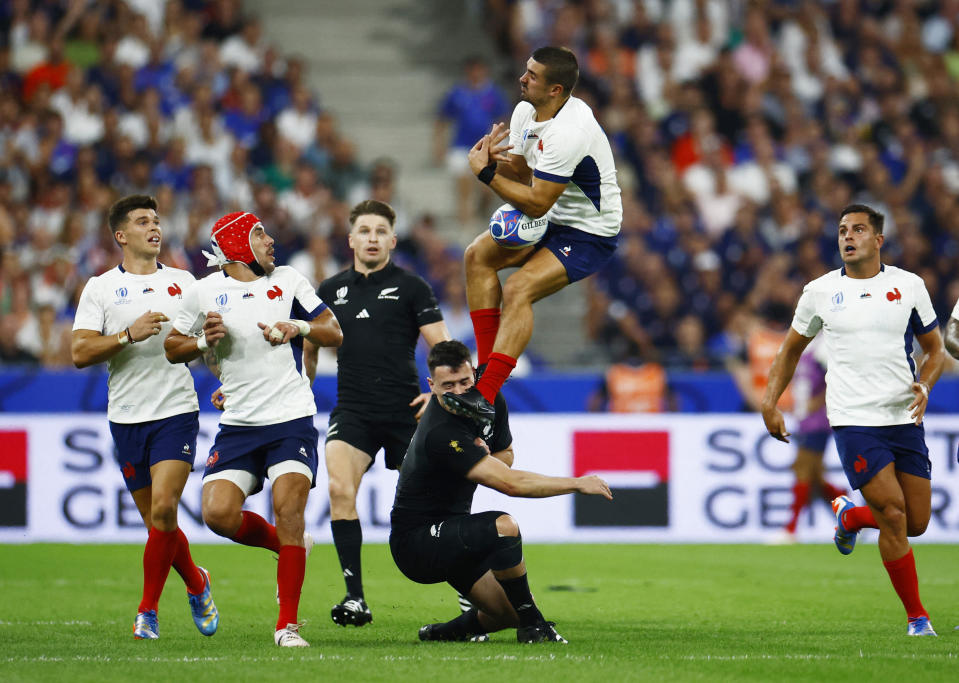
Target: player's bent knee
894	515
916	528
222	519
507	526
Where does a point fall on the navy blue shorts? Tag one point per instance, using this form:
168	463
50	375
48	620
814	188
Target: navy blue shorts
256	449
143	444
813	441
581	253
864	451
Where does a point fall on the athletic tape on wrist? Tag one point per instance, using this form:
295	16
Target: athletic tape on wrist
302	325
124	337
201	344
486	175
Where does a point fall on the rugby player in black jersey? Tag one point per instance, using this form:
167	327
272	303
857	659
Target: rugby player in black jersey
434	537
382	310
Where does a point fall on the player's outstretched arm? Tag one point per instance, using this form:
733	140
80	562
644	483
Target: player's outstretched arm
494	474
534	200
779	376
89	347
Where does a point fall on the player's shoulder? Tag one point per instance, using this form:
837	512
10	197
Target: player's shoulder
523	111
214	279
404	275
575	114
902	275
824	282
172	273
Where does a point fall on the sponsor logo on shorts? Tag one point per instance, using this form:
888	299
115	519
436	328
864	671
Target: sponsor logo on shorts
186	449
213	459
303	452
435	530
565	250
860	465
333	429
128	471
387	293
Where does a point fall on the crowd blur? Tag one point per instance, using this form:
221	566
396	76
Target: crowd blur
741	130
184	100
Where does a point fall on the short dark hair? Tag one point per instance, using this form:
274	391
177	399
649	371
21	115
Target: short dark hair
372	206
561	66
448	353
122	207
876	219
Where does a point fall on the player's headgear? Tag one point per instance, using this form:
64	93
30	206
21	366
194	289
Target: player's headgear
230	239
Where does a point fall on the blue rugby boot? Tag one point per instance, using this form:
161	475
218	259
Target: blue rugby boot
845	540
205	615
146	627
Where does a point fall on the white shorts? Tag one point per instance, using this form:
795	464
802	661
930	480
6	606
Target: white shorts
249	482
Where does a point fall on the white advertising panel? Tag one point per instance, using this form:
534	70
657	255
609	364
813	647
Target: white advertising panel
676	478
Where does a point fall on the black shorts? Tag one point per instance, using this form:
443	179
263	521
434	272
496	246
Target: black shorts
456	550
370	434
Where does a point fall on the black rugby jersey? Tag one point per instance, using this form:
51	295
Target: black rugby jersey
380	315
433	484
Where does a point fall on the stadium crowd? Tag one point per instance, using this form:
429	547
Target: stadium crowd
184	100
741	129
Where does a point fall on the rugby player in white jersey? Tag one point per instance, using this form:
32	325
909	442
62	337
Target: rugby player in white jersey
560	166
152	405
876	397
254	317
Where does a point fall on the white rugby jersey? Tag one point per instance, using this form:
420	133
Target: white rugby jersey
143	386
263	384
868	328
571	148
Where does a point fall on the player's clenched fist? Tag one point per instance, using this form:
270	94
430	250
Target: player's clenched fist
213	328
147	325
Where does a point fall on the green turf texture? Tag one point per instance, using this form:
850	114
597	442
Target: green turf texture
630	612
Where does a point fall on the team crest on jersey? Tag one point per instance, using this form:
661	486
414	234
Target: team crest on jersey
387	293
894	295
275	293
341	295
174	290
539	146
148	290
122	296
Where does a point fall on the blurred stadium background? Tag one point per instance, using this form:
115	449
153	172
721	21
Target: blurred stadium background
740	129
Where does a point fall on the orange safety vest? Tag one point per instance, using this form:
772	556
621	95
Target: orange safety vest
636	389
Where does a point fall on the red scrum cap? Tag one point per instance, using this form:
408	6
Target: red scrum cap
230	237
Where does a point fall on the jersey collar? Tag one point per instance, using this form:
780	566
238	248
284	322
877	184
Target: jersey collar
842	271
123	270
376	276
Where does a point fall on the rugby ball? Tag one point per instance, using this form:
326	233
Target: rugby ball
513	229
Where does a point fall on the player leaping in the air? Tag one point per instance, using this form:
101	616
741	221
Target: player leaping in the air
560	166
254	317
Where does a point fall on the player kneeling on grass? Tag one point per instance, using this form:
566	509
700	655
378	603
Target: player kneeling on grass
152	405
434	537
254	318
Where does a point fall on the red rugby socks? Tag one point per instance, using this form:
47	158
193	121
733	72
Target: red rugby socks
290	571
800	498
257	532
902	573
497	372
183	563
485	327
157	558
859	517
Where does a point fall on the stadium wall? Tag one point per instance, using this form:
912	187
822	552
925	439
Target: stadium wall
710	478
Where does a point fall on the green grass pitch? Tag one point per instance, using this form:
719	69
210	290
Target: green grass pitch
630	612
